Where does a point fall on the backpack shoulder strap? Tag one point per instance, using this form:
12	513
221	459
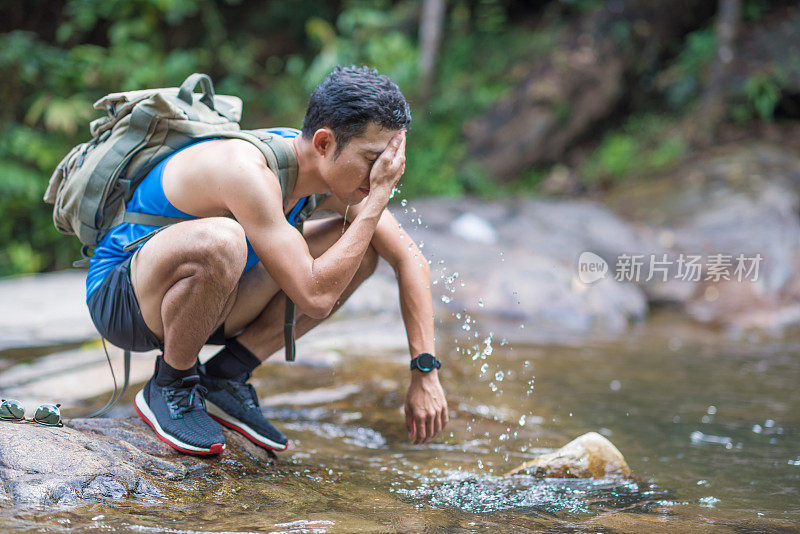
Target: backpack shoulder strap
278	152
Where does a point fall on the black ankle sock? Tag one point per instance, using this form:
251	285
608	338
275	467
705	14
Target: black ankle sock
167	374
234	360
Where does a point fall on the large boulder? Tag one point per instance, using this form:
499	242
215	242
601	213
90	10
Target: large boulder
518	260
738	201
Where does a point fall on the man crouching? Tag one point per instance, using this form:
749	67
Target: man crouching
223	276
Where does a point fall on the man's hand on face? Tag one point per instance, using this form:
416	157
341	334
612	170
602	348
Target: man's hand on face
426	407
389	166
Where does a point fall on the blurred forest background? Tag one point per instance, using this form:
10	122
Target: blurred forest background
558	97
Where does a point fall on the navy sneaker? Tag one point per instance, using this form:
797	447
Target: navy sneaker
177	414
233	402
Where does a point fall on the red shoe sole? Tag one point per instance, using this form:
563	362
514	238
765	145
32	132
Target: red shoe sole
216	448
246	434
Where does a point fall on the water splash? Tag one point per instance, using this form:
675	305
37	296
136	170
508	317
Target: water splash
483	493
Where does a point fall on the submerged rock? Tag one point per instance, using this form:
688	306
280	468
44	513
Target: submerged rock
588	456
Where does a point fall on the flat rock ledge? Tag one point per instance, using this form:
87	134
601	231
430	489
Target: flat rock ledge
100	459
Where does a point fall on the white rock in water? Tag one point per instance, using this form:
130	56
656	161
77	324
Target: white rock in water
470	227
589	456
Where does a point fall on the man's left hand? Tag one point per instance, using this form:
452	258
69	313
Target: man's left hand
426	407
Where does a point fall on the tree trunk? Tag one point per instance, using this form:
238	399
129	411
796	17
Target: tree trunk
712	109
430	37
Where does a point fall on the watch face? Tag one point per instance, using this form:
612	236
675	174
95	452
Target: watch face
425	362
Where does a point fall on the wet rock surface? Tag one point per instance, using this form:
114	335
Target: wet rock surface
588	456
105	459
119	458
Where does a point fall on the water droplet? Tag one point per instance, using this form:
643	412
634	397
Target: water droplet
480	303
711	410
446	299
615	385
499	376
522	421
493	386
484	368
404	202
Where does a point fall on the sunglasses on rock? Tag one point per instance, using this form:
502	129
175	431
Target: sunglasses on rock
46	414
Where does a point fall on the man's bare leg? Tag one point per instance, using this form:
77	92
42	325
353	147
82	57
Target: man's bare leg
185	280
257	316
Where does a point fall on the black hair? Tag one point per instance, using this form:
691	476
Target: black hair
352	97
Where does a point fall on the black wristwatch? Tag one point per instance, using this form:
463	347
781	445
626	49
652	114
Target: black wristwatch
425	362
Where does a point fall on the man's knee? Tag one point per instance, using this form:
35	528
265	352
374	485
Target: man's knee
216	247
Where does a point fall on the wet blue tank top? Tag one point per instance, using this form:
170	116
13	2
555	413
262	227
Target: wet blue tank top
149	197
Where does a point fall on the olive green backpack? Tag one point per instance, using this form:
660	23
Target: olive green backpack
92	184
95	180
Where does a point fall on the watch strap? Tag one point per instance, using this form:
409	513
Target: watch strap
435	363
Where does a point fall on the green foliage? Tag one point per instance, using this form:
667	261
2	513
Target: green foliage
642	146
753	9
763	94
683	80
271	55
472	74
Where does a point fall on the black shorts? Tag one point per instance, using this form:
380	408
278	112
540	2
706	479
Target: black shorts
116	314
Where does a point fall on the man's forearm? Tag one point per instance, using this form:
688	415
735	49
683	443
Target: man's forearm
334	269
416	304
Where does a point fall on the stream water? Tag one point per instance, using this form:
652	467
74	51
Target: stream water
709	424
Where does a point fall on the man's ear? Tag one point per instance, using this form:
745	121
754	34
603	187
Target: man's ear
324	142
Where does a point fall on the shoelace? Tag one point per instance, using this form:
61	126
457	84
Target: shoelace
190	395
244	392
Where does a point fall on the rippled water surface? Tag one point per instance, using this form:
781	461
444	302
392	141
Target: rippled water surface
709	424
